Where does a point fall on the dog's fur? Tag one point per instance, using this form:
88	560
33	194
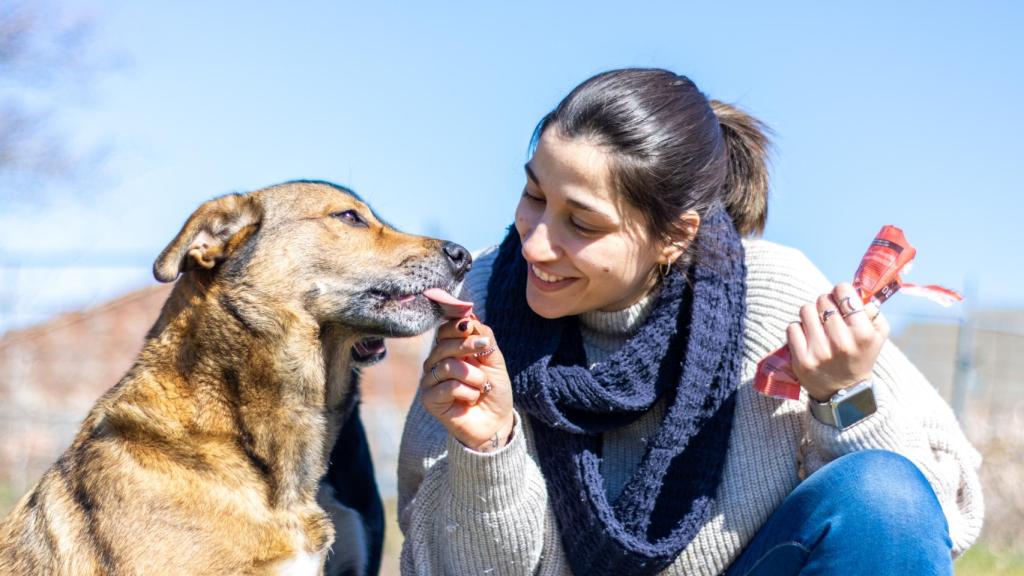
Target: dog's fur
206	458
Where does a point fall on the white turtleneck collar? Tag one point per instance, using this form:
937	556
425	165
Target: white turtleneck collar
604	332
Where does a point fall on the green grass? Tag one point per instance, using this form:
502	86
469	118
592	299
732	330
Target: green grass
982	561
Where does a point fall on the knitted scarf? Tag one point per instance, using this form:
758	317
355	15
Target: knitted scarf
688	351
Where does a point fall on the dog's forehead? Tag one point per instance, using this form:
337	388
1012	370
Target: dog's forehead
309	198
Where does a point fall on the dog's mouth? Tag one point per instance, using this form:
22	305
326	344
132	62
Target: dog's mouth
439	298
369	351
395	297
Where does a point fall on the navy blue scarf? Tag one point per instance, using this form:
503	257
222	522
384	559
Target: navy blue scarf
688	352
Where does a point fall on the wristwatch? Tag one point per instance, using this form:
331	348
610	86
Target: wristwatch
846	407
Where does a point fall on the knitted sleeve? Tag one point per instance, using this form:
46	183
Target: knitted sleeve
912	419
465	512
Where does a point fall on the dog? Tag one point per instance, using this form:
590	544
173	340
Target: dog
209	456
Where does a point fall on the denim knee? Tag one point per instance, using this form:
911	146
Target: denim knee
883	492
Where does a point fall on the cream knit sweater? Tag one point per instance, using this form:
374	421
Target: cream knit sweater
466	513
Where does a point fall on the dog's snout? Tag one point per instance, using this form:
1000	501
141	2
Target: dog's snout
458	257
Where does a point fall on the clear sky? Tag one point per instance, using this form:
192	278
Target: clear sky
884	112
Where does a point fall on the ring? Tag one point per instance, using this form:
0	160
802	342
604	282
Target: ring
852	313
482	353
433	372
486	387
847	307
828	314
879	311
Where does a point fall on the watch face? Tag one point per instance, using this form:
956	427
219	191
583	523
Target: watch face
855	408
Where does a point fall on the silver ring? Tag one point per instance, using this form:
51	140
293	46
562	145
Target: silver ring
852	313
486	387
433	372
828	314
846	307
482	353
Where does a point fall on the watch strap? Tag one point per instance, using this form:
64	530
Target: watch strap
822	411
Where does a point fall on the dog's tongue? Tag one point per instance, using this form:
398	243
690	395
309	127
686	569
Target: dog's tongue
452	306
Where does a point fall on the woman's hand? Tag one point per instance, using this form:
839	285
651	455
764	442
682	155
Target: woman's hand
466	386
836	343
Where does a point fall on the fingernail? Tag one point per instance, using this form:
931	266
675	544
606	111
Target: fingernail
481	343
462	326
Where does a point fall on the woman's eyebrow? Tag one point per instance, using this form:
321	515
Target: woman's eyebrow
570	201
587	208
530	174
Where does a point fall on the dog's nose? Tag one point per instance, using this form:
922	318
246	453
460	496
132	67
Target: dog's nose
458	256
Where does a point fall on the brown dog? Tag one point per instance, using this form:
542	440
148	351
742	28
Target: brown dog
207	457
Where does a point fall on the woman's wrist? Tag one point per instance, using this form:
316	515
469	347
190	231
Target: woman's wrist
500	438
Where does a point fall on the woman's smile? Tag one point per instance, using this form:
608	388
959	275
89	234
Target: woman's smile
548	282
585	249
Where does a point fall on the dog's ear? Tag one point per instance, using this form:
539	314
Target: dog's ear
209	236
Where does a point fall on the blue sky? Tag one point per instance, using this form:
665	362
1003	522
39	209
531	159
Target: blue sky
906	113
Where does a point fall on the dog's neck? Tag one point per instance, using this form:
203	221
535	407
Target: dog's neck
274	375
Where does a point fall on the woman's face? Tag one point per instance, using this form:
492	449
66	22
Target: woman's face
585	247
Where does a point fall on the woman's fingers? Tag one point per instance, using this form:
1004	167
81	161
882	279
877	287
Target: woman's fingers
455	369
457	328
837	333
488	356
466	387
468	339
472	347
814	332
444	396
836	342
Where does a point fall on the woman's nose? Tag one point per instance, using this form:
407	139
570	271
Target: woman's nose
538	245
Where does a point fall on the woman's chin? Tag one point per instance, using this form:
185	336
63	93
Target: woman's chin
544	305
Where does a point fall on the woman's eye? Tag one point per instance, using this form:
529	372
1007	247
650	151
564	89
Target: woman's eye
581	227
350	217
531	197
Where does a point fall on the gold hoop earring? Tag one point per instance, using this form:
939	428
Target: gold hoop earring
665	269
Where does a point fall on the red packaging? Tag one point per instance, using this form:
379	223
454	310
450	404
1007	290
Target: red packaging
877	279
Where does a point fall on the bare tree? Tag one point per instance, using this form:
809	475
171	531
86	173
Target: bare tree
46	65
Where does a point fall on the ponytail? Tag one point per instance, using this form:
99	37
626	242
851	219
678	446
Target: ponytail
746	184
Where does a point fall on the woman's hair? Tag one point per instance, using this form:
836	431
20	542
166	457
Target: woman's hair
672	149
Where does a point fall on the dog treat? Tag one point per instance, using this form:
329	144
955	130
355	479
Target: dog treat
876	280
452	306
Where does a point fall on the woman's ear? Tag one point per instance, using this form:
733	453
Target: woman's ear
685	230
209	236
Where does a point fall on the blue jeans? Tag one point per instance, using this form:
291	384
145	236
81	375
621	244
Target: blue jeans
869	512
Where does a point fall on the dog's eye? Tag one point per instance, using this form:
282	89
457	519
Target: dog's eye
350	217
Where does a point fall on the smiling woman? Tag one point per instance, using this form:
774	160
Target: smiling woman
598	416
580	239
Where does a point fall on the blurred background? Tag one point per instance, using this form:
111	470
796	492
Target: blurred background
118	118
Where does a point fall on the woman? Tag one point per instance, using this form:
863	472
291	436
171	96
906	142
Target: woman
598	417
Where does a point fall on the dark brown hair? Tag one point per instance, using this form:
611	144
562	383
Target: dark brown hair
672	149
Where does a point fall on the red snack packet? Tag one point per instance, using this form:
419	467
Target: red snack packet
877	279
